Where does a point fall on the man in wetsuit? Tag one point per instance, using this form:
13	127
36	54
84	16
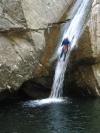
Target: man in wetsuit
65	48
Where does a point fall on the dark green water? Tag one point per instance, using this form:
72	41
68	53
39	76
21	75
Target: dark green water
77	116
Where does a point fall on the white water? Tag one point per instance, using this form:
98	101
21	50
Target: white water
35	103
73	32
75	28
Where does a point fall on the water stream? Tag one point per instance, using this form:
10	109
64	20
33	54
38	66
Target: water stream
73	33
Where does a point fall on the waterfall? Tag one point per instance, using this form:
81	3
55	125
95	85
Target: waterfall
73	32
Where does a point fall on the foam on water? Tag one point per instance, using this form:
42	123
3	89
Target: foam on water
36	103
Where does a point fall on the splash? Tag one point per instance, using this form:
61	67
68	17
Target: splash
73	33
42	102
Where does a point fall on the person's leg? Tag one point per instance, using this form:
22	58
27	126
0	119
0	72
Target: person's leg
65	53
67	47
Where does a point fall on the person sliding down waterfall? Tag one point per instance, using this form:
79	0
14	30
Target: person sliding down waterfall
65	47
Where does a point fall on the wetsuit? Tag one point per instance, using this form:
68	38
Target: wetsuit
65	45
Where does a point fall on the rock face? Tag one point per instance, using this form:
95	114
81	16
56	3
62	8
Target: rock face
83	74
87	56
94	28
28	33
25	26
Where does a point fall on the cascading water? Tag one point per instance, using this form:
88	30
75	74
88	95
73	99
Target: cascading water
73	32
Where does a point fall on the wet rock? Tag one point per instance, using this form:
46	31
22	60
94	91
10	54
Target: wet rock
85	58
83	71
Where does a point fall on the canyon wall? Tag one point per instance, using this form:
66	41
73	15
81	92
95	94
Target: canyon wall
26	28
28	36
87	56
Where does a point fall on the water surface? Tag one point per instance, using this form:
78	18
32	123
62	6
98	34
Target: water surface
72	116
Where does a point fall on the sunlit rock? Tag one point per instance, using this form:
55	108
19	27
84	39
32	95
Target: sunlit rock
25	30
